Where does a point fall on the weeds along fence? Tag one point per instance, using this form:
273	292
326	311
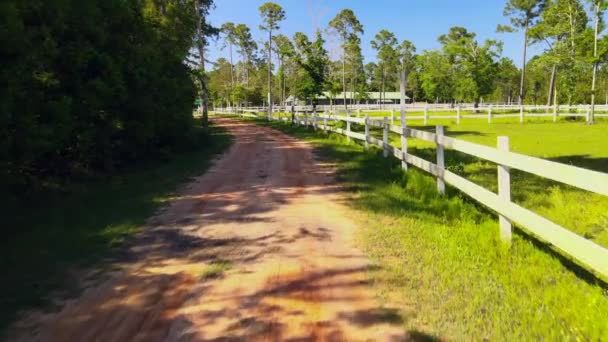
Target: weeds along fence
428	112
586	253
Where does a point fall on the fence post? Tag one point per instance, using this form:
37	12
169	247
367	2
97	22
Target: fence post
293	115
347	125
588	114
521	113
359	112
440	160
458	114
403	139
504	190
555	112
325	122
393	116
314	118
426	114
385	137
366	131
490	114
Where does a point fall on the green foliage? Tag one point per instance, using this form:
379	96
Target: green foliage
312	58
57	232
346	24
522	12
91	85
385	44
507	81
473	65
348	27
220	83
230	33
434	75
464	69
271	14
407	56
247	47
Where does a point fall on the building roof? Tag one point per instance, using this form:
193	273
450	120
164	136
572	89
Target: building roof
372	95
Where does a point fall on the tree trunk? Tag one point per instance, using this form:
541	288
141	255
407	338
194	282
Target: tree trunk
594	79
352	89
283	90
280	71
523	66
247	62
382	95
555	95
572	25
204	96
269	74
552	84
231	69
344	75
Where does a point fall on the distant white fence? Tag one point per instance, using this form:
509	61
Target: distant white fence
587	253
489	112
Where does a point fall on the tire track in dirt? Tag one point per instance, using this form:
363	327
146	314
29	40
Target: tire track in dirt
273	213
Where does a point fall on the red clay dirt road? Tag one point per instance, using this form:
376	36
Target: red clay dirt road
271	214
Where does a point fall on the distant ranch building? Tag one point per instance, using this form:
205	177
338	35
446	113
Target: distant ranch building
392	97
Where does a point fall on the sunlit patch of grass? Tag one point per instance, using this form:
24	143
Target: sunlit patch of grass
215	269
441	262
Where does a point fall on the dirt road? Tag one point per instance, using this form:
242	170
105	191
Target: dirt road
269	215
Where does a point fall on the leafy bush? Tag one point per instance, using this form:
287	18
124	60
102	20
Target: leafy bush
88	86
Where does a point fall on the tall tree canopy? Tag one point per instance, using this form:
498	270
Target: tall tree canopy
385	44
473	64
522	14
271	14
92	85
464	69
313	60
348	27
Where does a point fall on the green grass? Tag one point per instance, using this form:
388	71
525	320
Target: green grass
440	261
216	269
567	142
571	143
60	232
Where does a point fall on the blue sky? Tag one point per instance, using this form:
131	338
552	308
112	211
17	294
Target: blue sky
420	21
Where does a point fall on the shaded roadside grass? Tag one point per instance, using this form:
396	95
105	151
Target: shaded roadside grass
57	232
441	262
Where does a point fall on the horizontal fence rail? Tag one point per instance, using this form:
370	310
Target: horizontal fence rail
489	112
587	253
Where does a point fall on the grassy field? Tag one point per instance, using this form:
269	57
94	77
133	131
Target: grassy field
480	112
60	232
565	142
569	142
439	258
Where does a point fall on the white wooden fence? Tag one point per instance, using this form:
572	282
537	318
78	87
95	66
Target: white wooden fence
489	112
587	253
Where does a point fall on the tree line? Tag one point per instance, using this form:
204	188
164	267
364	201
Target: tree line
92	86
570	70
